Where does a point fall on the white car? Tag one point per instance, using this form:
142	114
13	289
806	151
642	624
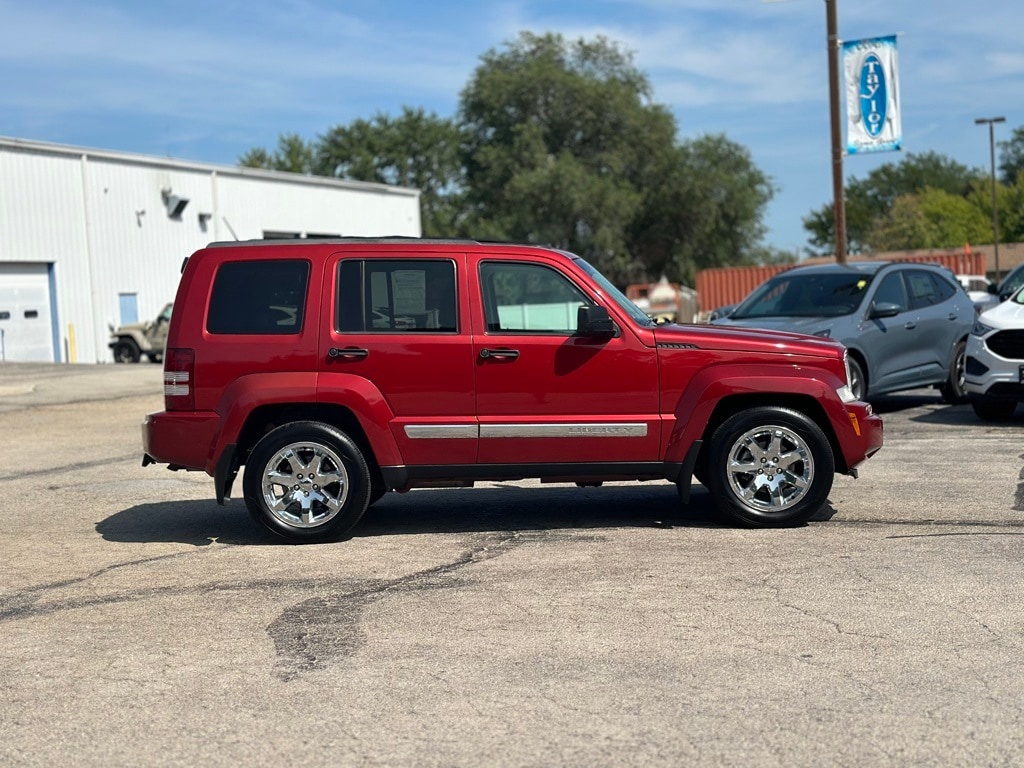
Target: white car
980	289
994	369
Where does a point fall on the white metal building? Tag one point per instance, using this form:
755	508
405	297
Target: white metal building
91	238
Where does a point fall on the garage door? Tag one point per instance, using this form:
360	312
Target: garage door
26	322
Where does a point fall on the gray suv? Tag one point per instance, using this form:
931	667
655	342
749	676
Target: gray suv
905	324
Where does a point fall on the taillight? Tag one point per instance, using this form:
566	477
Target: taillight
179	384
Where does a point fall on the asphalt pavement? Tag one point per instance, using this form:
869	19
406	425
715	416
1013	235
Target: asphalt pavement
509	624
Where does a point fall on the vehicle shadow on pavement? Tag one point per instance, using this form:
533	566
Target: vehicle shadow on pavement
511	507
460	510
200	523
936	411
962	415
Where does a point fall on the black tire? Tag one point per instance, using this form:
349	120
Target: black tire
284	482
993	408
953	391
790	461
858	380
126	351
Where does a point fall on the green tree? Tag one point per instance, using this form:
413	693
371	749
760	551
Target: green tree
872	198
931	218
564	146
293	154
1009	199
703	207
560	143
1011	157
558	136
416	149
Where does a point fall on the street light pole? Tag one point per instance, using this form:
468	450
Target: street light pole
838	203
995	205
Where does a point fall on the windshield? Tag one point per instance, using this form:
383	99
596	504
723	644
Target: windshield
636	314
1012	281
807	295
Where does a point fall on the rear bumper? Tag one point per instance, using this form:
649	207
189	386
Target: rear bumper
182	440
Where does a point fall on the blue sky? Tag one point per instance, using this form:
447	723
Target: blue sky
206	81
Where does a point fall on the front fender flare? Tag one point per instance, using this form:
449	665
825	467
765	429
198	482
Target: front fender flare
713	385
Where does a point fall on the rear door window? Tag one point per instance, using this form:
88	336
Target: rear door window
396	296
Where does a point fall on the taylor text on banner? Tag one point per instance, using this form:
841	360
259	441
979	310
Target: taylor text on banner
872	95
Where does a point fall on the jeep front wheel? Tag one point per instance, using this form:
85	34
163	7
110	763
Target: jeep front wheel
307	482
126	351
770	467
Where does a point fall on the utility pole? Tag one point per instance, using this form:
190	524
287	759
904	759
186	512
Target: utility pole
995	204
838	201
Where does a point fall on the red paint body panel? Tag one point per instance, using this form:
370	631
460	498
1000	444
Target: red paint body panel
423	378
562	379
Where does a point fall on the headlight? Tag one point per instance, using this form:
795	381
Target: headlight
844	392
827	333
980	329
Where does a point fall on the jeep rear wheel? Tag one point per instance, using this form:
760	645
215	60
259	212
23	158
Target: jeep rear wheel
307	482
770	467
126	351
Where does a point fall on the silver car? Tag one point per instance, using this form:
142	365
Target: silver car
905	324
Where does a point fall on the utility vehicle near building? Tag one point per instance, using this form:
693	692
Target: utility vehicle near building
131	341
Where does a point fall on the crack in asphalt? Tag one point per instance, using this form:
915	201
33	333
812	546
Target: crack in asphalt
313	633
1019	495
934	523
104	462
23	604
307	635
316	632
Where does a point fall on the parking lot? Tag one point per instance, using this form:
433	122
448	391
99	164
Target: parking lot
507	624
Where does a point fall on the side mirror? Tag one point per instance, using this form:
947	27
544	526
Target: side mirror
592	320
884	309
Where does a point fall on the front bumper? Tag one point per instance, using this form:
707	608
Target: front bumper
990	374
861	437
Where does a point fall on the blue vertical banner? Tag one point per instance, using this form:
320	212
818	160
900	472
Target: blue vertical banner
870	68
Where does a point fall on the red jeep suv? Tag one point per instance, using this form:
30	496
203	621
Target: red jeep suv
337	370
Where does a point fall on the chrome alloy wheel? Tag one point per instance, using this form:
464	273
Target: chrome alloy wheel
770	468
305	484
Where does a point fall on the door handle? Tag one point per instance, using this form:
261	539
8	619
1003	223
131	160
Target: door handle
910	326
507	354
352	352
951	316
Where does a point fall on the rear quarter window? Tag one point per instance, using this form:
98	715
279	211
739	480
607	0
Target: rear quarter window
258	297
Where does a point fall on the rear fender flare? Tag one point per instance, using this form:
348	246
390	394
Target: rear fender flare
358	395
368	405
